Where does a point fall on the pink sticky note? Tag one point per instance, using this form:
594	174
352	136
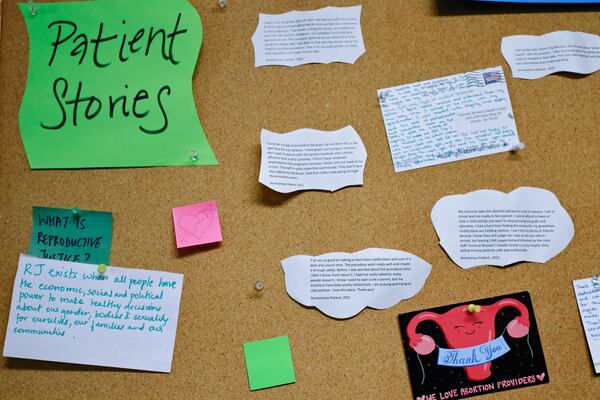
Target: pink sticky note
197	224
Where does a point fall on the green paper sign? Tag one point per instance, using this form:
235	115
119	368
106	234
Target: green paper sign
269	363
59	234
110	85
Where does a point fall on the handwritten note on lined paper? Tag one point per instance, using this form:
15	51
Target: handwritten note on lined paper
588	300
67	312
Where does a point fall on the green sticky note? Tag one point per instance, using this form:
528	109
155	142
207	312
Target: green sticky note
109	84
60	234
269	363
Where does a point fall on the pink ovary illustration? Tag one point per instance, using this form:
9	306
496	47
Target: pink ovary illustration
463	328
196	225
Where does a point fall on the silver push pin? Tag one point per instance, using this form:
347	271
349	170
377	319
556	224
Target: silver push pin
517	147
32	7
222	3
194	155
596	280
259	285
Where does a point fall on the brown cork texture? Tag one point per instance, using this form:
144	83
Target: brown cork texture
361	358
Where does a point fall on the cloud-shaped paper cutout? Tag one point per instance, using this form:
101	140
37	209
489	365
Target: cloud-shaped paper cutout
533	57
487	227
304	37
343	284
308	159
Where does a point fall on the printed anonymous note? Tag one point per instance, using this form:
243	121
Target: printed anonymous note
87	103
532	57
269	363
197	224
464	350
342	284
67	312
588	301
331	34
448	119
59	234
307	159
487	227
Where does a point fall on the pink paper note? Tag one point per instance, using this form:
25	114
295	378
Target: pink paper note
197	224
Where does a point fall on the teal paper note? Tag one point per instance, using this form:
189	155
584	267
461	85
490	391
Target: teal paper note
109	84
269	363
59	234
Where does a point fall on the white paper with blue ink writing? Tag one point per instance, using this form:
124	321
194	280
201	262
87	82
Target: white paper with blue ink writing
448	119
588	301
67	312
533	57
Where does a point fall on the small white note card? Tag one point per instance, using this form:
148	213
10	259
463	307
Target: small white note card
588	301
448	119
308	159
330	34
488	227
67	312
533	57
342	284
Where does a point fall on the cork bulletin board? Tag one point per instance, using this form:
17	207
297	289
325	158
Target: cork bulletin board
360	358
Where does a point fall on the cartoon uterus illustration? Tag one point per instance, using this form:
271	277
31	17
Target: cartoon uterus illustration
467	326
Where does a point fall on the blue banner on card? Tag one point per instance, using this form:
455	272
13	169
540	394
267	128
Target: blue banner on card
468	356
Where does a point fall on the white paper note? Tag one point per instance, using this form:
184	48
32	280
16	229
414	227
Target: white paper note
487	227
342	284
448	119
68	312
307	159
532	57
330	34
588	301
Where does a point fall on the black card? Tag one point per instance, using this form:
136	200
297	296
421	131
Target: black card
472	348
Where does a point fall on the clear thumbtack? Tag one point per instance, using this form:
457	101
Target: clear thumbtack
32	7
517	147
596	280
383	96
76	212
194	155
222	3
259	285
